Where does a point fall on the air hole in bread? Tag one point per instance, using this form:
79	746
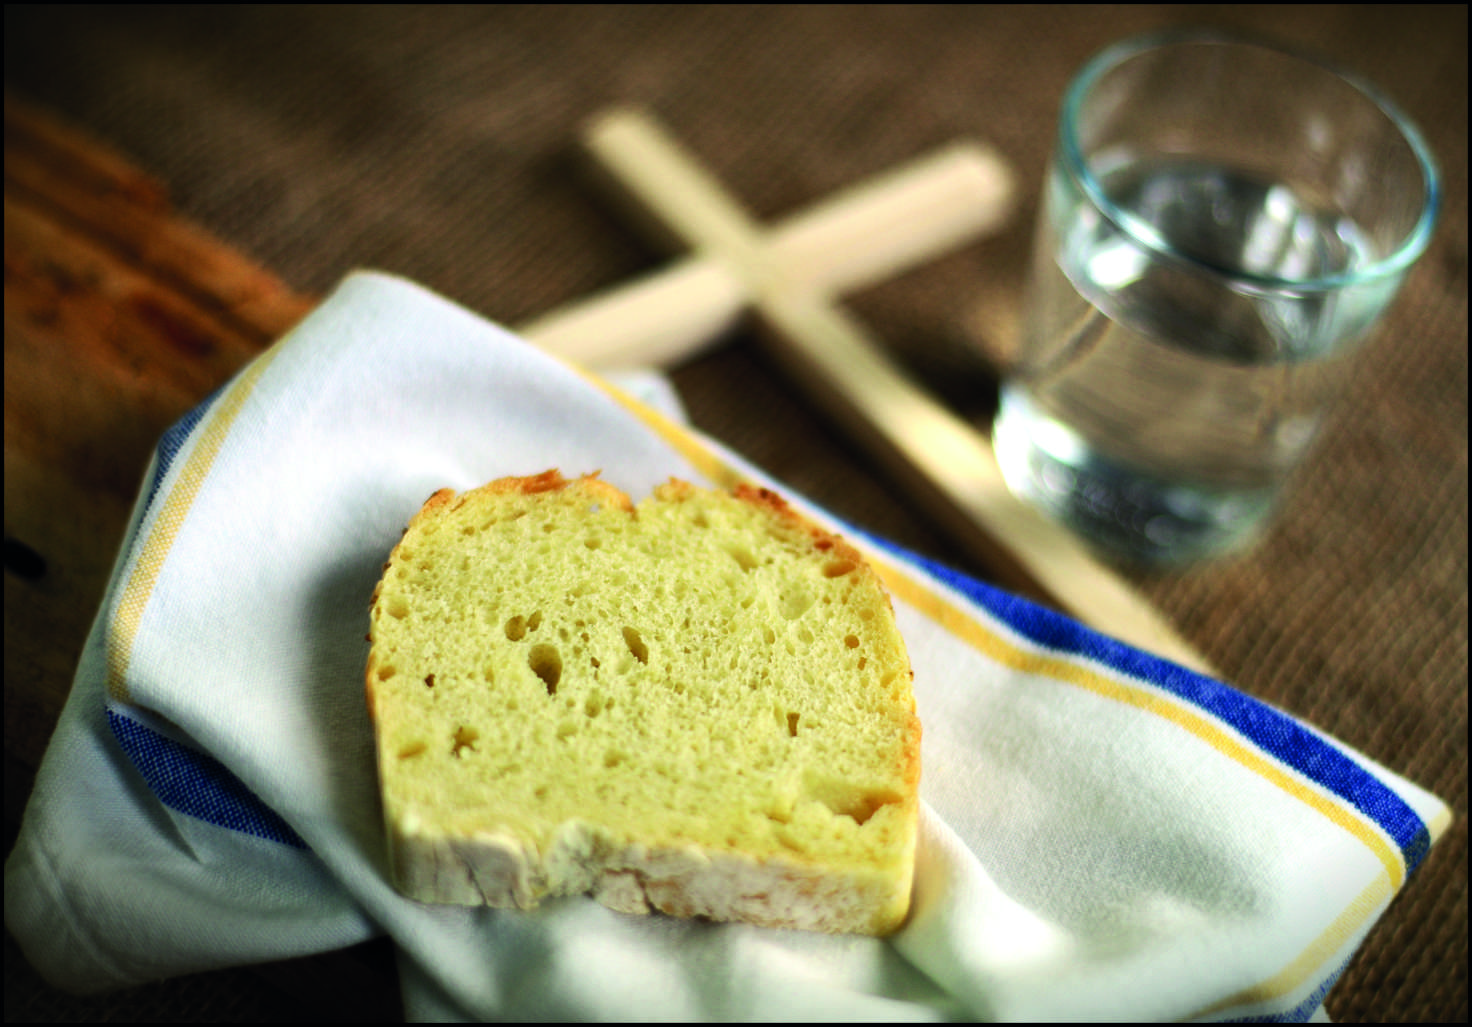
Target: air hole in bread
612	758
465	738
429	681
546	663
845	799
838	567
852	641
792	719
387	671
743	557
593	705
592	542
412	749
636	645
397	606
518	626
871	804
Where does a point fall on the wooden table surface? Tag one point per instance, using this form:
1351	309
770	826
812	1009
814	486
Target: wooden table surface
122	311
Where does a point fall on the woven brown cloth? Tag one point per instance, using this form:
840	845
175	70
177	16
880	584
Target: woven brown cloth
433	142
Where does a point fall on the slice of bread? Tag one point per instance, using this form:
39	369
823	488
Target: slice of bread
700	705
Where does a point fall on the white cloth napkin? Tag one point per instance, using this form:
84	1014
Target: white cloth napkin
1105	836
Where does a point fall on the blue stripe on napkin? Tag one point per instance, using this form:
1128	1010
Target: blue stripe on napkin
184	779
1271	731
197	784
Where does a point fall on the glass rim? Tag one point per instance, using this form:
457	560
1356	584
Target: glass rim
1405	254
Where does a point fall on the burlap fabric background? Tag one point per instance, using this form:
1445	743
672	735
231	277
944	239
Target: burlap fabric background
433	142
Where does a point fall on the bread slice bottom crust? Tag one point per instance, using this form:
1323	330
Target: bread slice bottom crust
499	871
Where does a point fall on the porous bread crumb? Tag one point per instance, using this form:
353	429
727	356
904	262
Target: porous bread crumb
699	705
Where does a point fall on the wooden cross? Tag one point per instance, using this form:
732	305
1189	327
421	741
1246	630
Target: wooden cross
940	459
121	316
859	236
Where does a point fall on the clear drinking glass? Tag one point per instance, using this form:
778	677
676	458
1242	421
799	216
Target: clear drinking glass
1223	224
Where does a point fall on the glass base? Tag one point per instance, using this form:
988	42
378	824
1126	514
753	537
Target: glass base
1128	515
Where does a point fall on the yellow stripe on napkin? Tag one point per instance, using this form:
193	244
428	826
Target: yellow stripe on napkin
154	549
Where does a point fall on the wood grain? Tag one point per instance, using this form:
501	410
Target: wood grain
120	316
